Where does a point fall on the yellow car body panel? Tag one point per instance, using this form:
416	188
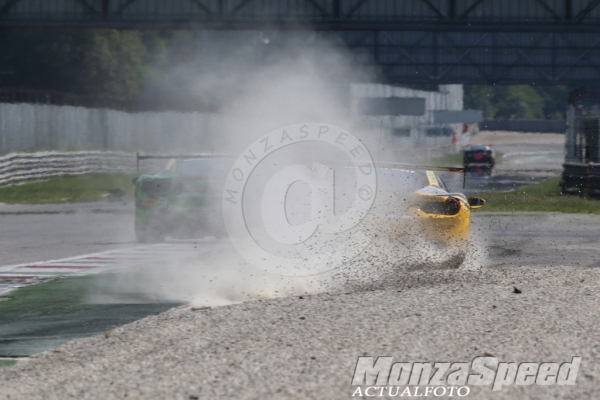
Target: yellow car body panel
452	230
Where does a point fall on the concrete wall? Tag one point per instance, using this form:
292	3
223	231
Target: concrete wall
32	127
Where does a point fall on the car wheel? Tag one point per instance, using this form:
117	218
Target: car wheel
149	235
456	260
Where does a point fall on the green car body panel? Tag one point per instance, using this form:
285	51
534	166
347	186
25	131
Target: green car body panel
168	203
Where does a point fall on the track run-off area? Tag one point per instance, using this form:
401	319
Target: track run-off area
74	271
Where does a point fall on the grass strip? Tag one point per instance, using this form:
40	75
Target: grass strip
7	363
543	196
70	189
35	212
41	317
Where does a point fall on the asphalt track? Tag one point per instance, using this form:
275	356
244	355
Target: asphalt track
524	158
46	232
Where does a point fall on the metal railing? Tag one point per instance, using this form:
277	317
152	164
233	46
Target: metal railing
24	167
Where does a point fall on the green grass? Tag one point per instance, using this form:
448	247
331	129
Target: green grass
543	196
56	296
72	295
63	296
41	317
447	160
7	363
70	189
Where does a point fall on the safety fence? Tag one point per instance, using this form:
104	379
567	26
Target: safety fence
24	167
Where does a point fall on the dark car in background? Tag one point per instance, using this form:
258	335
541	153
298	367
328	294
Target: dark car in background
479	158
183	200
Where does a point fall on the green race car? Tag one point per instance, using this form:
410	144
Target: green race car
183	200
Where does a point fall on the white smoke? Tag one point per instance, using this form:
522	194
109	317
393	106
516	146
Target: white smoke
299	84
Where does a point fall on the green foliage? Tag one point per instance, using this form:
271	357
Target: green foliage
555	100
70	189
517	101
100	62
166	49
543	196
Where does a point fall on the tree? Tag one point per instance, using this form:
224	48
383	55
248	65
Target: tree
100	62
517	101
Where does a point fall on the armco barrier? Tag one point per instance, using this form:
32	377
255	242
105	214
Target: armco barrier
524	125
23	167
579	178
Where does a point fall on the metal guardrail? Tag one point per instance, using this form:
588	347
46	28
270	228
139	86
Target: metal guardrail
25	167
524	125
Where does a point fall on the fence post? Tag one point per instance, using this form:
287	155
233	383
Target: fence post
570	135
3	129
104	128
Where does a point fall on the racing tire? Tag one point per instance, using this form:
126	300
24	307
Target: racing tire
149	235
456	260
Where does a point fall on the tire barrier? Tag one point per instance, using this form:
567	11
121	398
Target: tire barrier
580	178
25	167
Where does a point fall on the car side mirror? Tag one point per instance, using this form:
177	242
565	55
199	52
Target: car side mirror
476	202
134	180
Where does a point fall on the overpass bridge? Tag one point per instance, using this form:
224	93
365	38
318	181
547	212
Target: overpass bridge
542	42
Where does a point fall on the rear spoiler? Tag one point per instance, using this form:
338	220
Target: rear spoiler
139	157
461	170
422	167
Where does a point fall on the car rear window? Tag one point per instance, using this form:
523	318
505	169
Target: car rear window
478	148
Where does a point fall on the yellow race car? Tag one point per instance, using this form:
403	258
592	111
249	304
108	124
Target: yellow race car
414	202
444	216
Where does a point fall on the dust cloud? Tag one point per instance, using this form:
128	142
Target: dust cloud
297	84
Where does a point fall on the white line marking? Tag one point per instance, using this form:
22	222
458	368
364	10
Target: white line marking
95	263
